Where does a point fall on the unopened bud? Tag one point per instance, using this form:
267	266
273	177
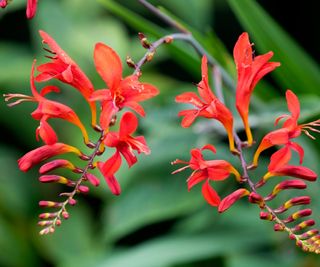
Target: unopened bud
65	215
256	199
47	215
150	56
130	62
144	41
83	189
303	225
93	179
55	164
49	204
266	216
45	223
168	40
3	3
72	201
278	227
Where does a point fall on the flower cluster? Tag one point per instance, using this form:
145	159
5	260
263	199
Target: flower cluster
31	7
251	69
120	93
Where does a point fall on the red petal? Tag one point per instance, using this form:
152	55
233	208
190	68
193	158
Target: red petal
189	117
128	154
111	166
128	125
279	159
229	200
242	51
189	98
296	147
293	104
113	185
209	147
135	107
101	95
108	65
139	144
31	8
195	178
108	110
210	195
203	87
216	174
48	89
46	132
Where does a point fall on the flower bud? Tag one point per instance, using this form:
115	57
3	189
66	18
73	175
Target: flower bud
50	204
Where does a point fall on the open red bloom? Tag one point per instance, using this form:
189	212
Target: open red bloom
121	92
289	130
44	152
279	166
47	109
125	144
250	70
207	170
207	106
63	68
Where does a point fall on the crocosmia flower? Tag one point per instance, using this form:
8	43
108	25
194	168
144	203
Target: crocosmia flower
206	170
45	152
47	109
289	130
63	68
250	70
125	144
207	106
121	92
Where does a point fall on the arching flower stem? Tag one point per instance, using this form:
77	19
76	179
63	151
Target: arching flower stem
56	221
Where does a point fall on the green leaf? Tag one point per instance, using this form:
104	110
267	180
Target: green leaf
298	71
174	249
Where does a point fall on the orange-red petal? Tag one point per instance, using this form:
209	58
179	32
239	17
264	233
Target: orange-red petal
108	65
210	195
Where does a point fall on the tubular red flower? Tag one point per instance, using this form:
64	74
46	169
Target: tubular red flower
44	152
31	8
63	68
250	70
55	164
207	106
121	92
47	109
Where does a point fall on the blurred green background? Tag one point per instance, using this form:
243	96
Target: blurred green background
155	222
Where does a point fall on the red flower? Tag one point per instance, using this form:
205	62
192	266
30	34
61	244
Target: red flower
279	166
47	109
207	106
207	170
290	128
44	152
124	144
63	68
31	8
250	70
121	92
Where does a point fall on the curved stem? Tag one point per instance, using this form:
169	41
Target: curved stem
70	195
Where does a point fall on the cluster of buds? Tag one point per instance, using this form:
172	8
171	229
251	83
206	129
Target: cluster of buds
251	69
121	93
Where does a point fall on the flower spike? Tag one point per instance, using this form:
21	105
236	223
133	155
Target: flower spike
250	71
